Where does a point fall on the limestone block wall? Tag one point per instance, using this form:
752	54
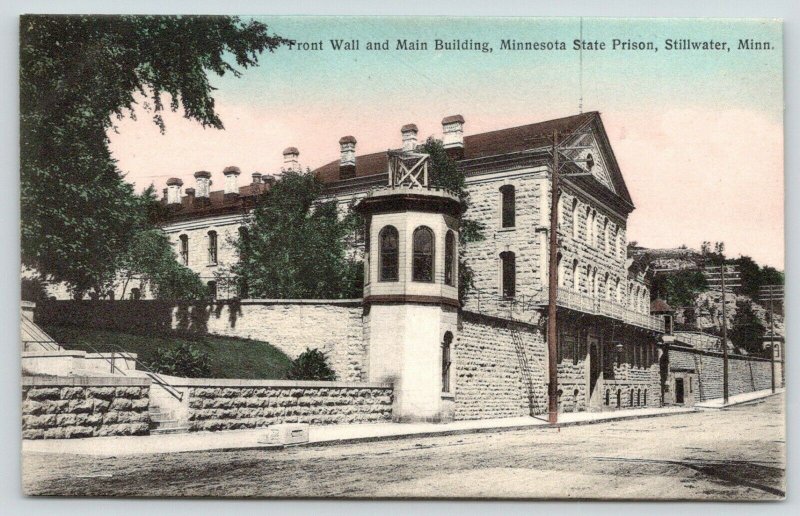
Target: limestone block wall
333	326
68	407
213	405
638	387
745	374
484	256
499	369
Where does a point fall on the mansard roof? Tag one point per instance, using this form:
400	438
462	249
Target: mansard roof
217	203
500	142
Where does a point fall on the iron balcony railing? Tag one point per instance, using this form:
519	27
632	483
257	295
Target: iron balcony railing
581	302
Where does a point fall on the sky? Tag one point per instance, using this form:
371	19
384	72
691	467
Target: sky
698	134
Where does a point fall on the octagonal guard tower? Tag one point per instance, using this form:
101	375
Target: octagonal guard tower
411	288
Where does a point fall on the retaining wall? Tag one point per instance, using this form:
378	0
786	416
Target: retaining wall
332	326
215	404
66	407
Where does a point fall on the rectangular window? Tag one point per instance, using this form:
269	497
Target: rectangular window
508	208
185	250
212	247
509	274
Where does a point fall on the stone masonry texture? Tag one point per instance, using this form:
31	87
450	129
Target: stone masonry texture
57	408
745	374
500	369
334	328
217	407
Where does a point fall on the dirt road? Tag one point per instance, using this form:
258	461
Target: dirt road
737	453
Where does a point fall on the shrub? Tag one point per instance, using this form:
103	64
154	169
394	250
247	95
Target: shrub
312	364
185	360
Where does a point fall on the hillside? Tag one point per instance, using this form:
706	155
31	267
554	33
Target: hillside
229	357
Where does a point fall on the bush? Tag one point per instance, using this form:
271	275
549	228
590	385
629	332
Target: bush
185	361
312	364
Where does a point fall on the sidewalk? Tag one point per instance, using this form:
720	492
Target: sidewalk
717	403
322	435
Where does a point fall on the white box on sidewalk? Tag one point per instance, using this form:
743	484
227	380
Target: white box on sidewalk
286	433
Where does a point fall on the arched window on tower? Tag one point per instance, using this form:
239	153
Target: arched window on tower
508	206
212	247
422	263
446	342
388	261
606	237
450	258
560	270
184	249
509	271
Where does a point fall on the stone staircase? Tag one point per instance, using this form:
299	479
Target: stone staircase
165	422
165	412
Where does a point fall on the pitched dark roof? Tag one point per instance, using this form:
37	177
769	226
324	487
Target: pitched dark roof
217	203
502	141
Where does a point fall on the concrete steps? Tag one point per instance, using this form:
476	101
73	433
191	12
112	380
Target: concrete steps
164	422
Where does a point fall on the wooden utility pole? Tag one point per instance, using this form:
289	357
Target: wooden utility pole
724	344
725	276
552	294
771	293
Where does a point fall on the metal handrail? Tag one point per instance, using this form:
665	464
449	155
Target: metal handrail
146	370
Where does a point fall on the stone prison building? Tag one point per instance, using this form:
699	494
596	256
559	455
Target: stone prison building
447	360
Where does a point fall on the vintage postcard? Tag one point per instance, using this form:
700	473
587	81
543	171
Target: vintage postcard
402	257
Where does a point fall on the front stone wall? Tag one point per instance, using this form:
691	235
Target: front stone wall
227	405
69	407
494	363
745	374
332	326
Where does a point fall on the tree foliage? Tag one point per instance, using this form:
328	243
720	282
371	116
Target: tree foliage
79	73
296	246
747	331
312	364
185	360
679	289
150	258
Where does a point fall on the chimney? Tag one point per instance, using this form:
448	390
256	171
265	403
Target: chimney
268	180
231	179
453	135
190	195
203	178
256	178
290	159
409	132
174	190
347	163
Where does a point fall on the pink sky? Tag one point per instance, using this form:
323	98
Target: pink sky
694	173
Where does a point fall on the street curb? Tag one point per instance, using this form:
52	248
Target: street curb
458	431
729	405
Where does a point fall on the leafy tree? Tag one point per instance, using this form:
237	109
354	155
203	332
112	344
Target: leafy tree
185	361
747	330
444	173
679	289
296	246
312	364
77	75
151	258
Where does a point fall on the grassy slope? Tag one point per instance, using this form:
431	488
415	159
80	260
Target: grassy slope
230	358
